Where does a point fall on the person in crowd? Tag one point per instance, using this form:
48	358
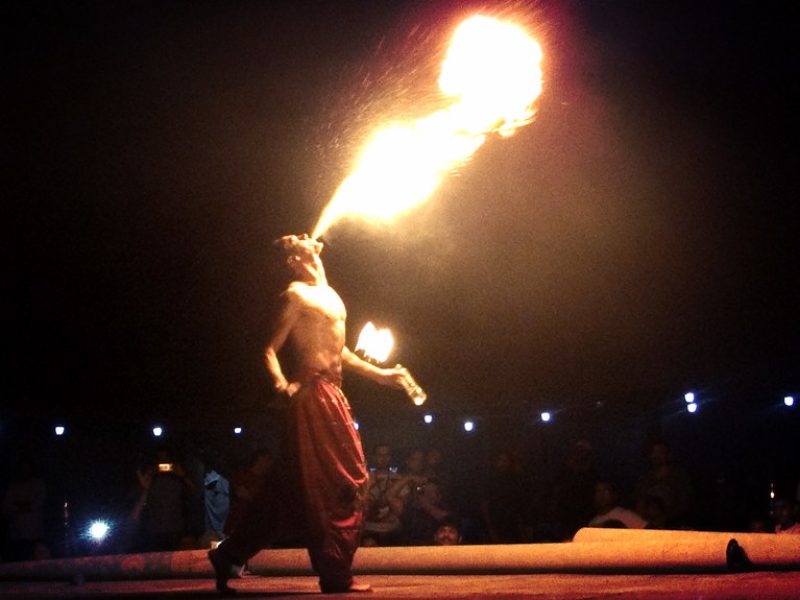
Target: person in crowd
606	503
666	481
448	533
23	508
165	493
217	500
412	479
573	490
381	524
504	499
785	517
423	513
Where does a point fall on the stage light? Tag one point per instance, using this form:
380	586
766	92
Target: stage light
357	425
692	407
59	430
428	419
546	416
98	530
469	425
689	397
788	400
158	431
237	430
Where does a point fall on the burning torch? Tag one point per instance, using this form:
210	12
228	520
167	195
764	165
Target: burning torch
375	346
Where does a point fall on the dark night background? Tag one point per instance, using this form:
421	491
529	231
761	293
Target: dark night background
636	241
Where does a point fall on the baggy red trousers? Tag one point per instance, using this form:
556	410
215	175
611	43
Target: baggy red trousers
317	488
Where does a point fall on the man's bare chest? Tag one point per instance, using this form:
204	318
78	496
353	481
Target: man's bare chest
322	301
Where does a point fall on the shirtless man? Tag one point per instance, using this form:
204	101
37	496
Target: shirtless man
321	466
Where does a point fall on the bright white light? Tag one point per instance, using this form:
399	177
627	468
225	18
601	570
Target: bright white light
469	425
237	430
59	429
157	431
788	400
692	407
689	397
428	419
357	425
546	416
98	530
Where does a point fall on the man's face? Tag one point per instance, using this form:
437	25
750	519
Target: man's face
447	535
301	248
382	457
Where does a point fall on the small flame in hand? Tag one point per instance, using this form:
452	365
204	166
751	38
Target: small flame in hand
376	344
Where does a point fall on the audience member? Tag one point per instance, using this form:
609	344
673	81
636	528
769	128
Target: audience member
785	517
573	490
402	490
448	533
423	514
23	512
609	512
668	482
166	491
504	499
217	499
382	524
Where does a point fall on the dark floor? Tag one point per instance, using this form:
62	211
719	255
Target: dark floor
744	585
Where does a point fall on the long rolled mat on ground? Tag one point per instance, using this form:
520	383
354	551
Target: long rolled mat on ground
760	551
593	551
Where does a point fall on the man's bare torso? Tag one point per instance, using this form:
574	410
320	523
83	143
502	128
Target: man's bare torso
318	333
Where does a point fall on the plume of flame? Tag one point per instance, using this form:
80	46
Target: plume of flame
376	344
492	71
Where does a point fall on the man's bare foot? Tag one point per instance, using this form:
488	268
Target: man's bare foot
354	587
360	587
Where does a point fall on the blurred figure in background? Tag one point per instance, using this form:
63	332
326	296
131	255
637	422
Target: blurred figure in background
606	503
23	513
448	533
785	517
165	494
667	482
381	523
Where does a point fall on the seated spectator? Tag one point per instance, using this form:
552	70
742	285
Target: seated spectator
381	524
609	513
503	500
448	533
402	489
785	520
666	481
655	513
23	512
423	514
573	490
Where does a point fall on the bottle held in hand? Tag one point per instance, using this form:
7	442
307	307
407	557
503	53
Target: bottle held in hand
412	388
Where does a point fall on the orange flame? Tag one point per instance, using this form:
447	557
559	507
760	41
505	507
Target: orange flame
376	344
492	70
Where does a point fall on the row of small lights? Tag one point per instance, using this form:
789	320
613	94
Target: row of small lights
692	405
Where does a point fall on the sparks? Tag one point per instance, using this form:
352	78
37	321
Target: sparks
492	71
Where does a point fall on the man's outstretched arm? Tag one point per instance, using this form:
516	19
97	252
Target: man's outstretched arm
389	377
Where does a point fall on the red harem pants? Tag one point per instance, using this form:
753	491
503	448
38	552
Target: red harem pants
318	486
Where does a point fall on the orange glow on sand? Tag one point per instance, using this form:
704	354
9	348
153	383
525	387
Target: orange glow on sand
492	71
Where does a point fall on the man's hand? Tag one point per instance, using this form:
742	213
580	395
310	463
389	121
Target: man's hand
289	390
393	377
